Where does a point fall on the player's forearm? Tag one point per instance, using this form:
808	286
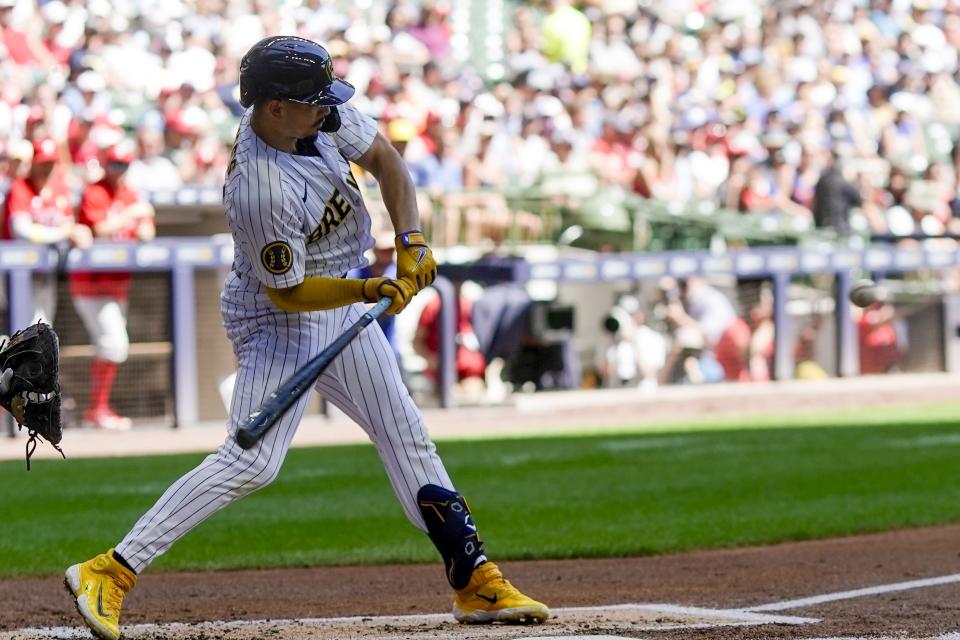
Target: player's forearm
24	228
110	226
399	194
400	198
318	294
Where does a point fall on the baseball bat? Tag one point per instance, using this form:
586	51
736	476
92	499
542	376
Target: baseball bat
267	414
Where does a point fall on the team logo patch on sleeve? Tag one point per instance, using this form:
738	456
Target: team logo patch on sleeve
277	257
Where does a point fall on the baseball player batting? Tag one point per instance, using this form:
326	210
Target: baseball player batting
299	225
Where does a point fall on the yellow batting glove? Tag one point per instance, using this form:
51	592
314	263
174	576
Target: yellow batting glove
400	292
370	288
415	262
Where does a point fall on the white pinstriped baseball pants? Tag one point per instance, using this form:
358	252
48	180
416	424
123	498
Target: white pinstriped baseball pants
364	382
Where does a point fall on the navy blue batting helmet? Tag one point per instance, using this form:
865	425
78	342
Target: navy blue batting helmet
291	68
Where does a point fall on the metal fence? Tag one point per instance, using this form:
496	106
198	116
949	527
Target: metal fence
173	332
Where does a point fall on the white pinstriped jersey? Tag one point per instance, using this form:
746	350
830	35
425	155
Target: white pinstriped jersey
291	219
290	215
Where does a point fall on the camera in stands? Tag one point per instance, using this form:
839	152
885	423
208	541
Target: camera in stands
551	321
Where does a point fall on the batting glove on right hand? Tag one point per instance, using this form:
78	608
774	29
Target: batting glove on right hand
415	261
400	292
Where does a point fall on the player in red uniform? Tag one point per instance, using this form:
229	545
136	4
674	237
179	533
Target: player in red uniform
37	209
113	212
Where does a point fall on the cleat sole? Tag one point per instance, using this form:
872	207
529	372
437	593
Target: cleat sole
70	577
518	616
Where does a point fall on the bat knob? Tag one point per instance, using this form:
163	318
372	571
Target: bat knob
245	439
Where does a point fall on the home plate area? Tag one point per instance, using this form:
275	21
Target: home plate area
604	622
573	623
582	623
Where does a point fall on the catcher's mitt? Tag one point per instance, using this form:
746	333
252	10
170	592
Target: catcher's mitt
30	383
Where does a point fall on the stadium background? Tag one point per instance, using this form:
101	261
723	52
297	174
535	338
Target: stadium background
659	137
620	128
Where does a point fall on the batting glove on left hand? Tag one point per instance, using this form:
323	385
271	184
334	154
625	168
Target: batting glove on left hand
415	262
400	292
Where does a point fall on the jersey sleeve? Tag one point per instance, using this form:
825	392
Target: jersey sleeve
356	132
267	226
94	205
18	198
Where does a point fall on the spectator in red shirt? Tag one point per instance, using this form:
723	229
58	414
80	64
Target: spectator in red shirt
79	140
726	334
55	14
20	47
879	348
37	209
35	126
113	212
15	164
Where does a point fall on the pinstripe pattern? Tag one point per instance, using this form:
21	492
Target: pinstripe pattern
272	197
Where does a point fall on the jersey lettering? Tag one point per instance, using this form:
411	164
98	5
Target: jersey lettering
271	196
334	212
353	182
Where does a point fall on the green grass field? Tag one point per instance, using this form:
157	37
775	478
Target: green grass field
658	489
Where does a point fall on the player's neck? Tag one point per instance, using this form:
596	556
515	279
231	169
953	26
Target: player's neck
272	138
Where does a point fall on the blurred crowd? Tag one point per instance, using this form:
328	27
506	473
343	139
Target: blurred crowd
686	332
837	114
698	331
747	104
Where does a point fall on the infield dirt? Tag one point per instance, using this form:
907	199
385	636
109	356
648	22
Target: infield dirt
724	579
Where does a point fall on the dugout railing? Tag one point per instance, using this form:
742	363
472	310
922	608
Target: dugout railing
183	257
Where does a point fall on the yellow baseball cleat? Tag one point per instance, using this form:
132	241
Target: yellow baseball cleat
99	586
489	597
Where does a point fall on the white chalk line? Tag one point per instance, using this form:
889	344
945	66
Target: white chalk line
744	617
578	638
856	593
734	617
721	617
947	636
